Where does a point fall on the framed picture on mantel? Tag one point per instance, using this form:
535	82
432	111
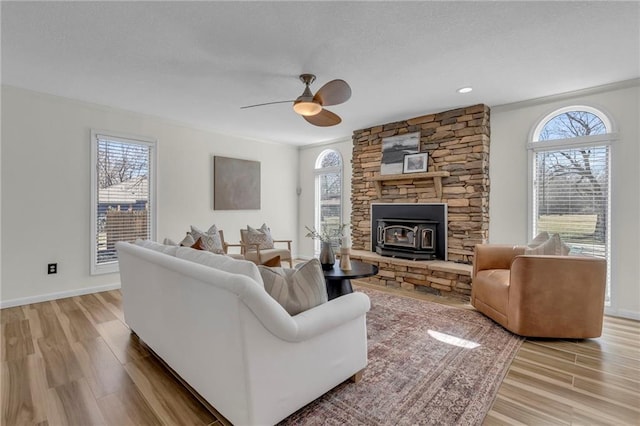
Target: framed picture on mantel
394	149
415	163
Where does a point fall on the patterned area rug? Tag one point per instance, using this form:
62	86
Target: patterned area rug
428	364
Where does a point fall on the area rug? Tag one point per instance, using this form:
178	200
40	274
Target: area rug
428	364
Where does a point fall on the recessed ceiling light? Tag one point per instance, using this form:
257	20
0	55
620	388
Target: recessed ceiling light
465	89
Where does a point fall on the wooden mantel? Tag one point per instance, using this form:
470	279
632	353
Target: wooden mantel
436	176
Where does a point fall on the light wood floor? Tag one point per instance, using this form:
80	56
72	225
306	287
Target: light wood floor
74	362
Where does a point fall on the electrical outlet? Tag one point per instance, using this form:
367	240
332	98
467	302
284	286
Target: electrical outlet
52	268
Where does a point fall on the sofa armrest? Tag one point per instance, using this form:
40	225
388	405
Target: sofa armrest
307	324
494	256
553	292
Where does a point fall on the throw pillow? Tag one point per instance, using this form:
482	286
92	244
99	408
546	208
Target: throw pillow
210	239
541	238
296	290
272	263
169	242
261	236
188	240
198	245
170	250
552	247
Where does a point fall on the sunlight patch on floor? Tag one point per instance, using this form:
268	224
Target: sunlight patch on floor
453	340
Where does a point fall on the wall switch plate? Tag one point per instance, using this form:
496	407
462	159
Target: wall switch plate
52	268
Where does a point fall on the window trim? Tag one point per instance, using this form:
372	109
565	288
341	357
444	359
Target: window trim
152	143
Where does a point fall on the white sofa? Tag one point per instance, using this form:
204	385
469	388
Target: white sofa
234	344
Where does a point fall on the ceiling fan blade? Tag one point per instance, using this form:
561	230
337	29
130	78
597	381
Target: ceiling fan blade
333	93
267	103
324	118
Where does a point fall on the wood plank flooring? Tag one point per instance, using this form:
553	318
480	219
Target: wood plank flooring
74	362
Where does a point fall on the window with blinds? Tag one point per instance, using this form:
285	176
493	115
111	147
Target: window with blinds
571	174
122	196
328	194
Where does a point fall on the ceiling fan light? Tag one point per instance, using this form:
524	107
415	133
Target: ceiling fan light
306	108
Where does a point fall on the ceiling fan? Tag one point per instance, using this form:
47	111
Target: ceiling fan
311	107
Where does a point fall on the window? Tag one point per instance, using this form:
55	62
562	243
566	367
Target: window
122	195
571	175
328	204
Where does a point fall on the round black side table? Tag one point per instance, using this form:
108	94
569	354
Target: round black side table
339	281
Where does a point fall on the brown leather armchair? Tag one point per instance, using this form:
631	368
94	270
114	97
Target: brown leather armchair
539	296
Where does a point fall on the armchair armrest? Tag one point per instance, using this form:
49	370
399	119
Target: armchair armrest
251	247
226	246
494	256
284	241
555	292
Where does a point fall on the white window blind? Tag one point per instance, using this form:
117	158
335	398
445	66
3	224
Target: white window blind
122	201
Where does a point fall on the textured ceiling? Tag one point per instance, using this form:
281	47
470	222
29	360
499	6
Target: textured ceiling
199	62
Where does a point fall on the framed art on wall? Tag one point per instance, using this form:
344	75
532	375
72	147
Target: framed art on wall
394	149
236	184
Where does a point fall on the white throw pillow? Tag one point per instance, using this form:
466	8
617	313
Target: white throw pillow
553	247
170	250
260	236
210	239
541	238
221	262
296	290
188	240
169	242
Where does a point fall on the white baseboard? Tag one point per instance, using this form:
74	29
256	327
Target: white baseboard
60	295
622	313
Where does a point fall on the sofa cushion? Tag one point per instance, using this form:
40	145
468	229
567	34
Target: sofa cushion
552	247
222	262
170	250
296	289
210	239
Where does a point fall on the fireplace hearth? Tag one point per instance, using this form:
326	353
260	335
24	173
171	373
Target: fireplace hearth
413	239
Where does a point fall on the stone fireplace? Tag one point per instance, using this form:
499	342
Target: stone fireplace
457	143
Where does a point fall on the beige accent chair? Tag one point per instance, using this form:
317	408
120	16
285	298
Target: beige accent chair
539	296
259	256
226	245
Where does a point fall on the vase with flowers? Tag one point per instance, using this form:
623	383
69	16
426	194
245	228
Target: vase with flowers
326	237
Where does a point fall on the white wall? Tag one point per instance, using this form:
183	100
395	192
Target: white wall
46	188
511	126
306	200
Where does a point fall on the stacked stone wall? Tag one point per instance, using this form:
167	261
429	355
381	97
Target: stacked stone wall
457	142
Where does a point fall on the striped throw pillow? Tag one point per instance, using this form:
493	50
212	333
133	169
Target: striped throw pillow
296	290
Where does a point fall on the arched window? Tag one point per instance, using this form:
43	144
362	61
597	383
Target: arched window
571	179
328	201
